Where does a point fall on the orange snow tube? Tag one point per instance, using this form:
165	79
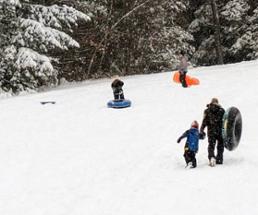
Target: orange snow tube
189	80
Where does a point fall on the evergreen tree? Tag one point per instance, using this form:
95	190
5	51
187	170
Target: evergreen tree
202	28
240	30
169	35
122	37
8	29
238	20
31	38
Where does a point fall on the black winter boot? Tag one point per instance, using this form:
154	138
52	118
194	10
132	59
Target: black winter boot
219	161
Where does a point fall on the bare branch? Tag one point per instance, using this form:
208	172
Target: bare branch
109	31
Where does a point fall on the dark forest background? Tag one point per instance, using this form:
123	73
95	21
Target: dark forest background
124	37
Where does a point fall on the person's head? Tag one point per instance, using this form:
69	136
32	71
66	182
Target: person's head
214	101
195	124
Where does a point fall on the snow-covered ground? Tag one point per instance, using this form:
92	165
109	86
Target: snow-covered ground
78	157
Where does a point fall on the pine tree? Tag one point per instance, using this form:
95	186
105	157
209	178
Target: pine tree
238	21
169	35
32	37
8	28
202	28
241	30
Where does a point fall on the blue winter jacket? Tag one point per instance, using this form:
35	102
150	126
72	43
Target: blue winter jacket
192	141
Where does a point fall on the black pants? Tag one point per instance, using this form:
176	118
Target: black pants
182	78
213	139
190	157
118	94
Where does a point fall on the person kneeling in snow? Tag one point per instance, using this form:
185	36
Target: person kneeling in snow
117	85
192	143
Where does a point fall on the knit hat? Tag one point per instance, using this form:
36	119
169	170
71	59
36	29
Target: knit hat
195	124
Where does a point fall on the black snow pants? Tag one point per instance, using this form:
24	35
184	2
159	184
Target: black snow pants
118	94
182	78
213	139
190	157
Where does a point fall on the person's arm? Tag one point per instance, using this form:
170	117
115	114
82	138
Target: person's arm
121	83
222	112
184	135
113	85
204	122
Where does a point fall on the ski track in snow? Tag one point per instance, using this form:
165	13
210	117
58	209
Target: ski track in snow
79	157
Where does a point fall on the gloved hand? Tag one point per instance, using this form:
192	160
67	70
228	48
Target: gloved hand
202	135
178	140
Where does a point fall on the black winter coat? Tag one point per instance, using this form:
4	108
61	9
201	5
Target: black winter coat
117	84
213	117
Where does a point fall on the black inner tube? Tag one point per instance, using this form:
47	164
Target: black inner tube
238	128
232	128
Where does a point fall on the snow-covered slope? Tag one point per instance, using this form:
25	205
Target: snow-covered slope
78	157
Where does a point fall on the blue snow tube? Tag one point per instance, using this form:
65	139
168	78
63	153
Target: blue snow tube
119	103
232	128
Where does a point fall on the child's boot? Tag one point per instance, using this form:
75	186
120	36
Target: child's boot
194	164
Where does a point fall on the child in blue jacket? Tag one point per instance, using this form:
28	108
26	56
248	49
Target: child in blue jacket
192	143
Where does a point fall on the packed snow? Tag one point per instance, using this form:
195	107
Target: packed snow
78	157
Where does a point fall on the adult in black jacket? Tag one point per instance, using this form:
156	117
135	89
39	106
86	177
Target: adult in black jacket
212	119
117	85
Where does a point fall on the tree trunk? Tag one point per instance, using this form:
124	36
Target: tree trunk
217	32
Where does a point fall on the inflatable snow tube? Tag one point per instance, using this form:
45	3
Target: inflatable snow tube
232	128
189	80
119	103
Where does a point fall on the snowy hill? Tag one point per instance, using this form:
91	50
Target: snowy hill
78	157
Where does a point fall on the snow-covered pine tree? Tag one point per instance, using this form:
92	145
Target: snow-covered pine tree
8	28
240	20
171	36
33	34
250	43
202	29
